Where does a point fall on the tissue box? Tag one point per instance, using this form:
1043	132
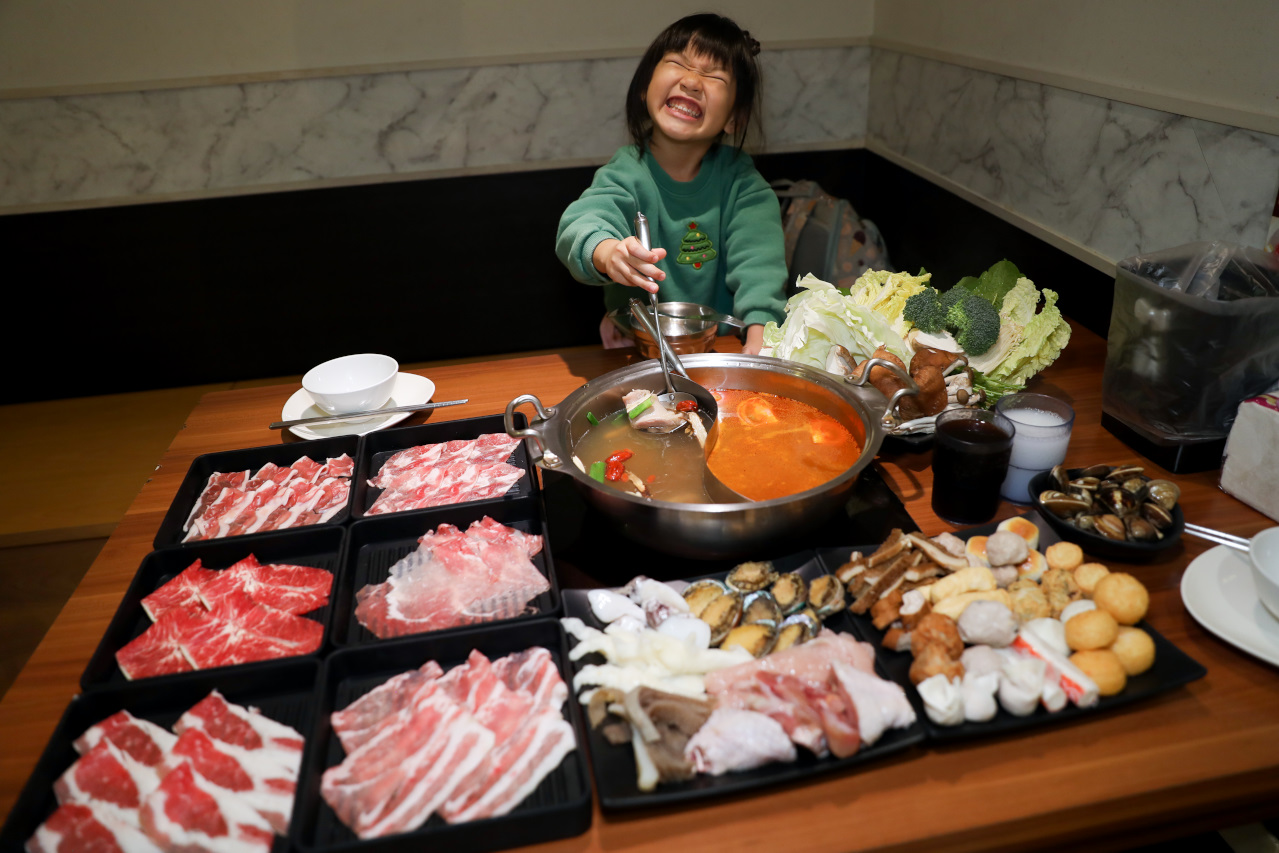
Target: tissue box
1252	450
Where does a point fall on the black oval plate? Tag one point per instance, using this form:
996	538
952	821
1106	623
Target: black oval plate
1095	544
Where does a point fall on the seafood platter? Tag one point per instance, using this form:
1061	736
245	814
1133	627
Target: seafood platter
222	666
1005	626
692	688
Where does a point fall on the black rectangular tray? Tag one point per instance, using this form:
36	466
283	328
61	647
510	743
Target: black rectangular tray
380	446
319	547
283	691
614	766
559	808
253	458
375	544
1172	667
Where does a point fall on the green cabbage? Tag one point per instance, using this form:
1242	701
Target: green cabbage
819	317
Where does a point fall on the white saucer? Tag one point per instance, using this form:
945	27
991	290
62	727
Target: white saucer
410	390
1220	593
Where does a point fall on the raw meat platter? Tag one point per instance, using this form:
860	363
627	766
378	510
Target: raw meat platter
1172	667
469	455
614	766
282	691
190	496
375	545
317	547
559	807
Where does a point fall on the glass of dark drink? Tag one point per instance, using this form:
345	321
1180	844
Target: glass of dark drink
970	461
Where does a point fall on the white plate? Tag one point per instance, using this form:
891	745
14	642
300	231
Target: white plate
410	390
1219	592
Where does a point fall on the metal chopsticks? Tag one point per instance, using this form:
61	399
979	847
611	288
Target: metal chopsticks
1238	543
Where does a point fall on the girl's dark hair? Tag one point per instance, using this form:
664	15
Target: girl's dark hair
716	37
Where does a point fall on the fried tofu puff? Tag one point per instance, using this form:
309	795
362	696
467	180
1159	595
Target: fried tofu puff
936	629
933	659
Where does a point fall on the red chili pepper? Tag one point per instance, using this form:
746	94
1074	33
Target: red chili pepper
615	466
686	406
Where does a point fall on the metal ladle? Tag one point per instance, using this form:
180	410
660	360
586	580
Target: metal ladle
679	388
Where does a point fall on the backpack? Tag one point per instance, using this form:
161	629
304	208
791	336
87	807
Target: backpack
825	237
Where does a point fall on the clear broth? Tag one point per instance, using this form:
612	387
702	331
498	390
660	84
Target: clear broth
768	447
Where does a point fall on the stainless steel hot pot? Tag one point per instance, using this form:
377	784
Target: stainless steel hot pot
707	531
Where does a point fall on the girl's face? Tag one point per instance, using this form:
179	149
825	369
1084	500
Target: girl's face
690	98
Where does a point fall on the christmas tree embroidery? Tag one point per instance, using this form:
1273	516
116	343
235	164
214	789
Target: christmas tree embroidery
695	248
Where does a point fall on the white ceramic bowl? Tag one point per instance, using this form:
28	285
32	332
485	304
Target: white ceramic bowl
1263	553
352	383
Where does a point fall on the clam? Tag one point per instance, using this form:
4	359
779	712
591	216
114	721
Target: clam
749	577
1157	515
723	615
826	595
1166	493
1063	505
1060	477
758	638
1135	486
1140	530
790	591
1089	484
1119	501
1100	471
1112	527
1122	472
700	594
760	606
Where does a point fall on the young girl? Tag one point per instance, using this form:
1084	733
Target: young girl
709	210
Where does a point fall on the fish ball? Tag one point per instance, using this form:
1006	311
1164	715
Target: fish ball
1064	555
1088	574
1122	596
987	623
1095	629
1005	548
1135	650
1104	668
979	660
1074	608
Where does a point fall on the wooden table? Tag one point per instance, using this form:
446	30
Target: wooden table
1199	757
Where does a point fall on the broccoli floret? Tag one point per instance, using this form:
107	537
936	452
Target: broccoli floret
926	311
972	320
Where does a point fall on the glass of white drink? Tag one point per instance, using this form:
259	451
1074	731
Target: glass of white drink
1043	433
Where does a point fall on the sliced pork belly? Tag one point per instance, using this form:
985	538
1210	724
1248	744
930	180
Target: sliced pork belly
394	781
109	780
246	728
446	473
141	740
158	649
272	499
293	589
534	671
181	591
453	578
188	813
360	720
810	661
212	489
79	828
257	780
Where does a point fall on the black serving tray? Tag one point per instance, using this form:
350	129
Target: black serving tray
614	766
319	547
283	691
1172	667
560	807
375	544
380	446
253	458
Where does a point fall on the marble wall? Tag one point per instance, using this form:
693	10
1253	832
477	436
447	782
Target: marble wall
1107	176
1101	177
140	146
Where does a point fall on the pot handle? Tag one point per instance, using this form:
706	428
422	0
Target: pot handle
537	448
910	388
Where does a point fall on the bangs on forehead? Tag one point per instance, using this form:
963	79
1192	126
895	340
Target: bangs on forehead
701	45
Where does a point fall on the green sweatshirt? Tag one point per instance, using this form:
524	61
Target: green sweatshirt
722	232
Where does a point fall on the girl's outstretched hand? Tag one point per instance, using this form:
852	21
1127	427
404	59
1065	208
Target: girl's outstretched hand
627	262
754	339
